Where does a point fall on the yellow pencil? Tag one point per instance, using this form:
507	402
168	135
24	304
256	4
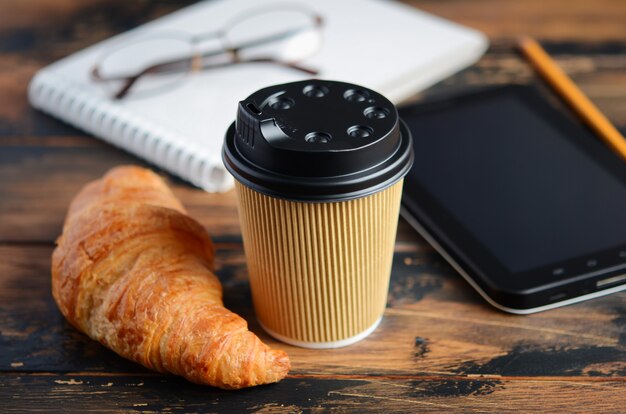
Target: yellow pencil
568	90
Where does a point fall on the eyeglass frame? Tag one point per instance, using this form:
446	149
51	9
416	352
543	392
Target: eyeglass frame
194	63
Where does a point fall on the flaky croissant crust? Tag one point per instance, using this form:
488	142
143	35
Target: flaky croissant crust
133	271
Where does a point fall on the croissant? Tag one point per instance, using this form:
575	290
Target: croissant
133	271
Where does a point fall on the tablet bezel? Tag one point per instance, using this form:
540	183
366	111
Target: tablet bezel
556	282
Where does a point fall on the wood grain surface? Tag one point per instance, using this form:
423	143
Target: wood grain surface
440	348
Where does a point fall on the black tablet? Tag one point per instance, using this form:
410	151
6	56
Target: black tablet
522	199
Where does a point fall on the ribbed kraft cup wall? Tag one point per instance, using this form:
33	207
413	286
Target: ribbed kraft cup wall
319	272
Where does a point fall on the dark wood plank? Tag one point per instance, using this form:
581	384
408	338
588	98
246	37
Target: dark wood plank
37	184
434	325
440	347
580	21
310	394
55	29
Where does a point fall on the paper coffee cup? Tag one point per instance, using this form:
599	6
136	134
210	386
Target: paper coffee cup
318	168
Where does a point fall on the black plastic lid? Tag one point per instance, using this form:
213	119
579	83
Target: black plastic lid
317	141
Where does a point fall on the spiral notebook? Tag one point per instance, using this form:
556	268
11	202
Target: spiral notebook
386	46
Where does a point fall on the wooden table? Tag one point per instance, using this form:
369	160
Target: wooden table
440	348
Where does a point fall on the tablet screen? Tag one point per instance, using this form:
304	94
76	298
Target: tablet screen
531	196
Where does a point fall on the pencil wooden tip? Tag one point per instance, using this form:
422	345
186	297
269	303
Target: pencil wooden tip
525	40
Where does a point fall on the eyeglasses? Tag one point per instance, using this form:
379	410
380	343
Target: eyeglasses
281	35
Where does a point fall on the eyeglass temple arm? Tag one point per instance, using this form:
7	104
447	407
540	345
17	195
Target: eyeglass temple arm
129	81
